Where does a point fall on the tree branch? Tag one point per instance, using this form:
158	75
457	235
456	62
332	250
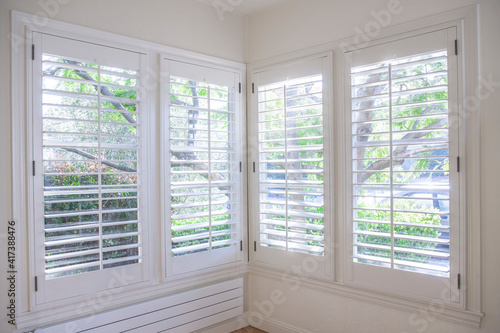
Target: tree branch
400	152
104	90
180	155
92	157
398	160
51	71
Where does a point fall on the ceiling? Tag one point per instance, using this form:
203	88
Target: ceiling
244	7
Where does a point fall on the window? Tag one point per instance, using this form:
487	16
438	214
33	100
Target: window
90	219
292	163
91	138
205	165
403	149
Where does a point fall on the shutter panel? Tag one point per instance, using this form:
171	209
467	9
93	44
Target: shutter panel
91	159
204	167
292	171
402	141
401	163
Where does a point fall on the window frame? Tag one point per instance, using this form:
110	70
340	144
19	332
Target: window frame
380	278
321	267
167	260
30	314
36	134
464	20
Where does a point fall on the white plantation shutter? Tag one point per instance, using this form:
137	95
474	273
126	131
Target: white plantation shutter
88	185
291	125
204	136
403	146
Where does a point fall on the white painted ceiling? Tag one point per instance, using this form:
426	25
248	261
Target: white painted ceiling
245	7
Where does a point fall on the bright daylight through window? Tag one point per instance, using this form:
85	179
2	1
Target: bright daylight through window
291	165
202	125
401	163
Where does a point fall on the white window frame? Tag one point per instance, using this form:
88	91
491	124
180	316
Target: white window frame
29	313
469	310
86	284
171	268
308	265
415	285
26	25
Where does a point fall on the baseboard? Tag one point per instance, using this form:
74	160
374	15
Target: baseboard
227	326
274	326
248	319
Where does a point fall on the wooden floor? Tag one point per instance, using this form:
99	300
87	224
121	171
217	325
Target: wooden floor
249	330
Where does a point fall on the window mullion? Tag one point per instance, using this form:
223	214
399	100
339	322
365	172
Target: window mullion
286	166
209	127
391	164
99	165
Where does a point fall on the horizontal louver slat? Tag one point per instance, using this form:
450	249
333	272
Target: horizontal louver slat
292	224
292	203
201	236
396	236
403	263
293	235
292	246
292	213
198	247
405	250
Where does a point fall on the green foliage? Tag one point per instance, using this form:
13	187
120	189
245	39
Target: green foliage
383	214
88	205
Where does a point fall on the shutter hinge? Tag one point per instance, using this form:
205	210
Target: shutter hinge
241	245
253	88
32	51
254	167
254	246
36	283
34	168
456	46
459	283
240	87
241	166
458	163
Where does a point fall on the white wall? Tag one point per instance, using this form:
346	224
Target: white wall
183	24
304	24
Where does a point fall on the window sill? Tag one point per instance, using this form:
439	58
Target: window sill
433	308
